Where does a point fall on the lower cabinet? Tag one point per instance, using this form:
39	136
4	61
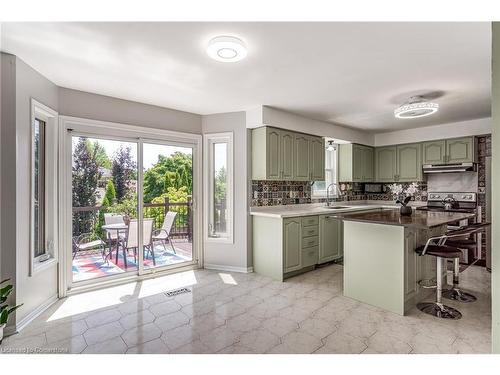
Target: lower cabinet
330	238
292	244
303	243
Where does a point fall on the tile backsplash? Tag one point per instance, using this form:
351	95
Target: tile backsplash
275	193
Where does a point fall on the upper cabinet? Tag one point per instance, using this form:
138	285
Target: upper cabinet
434	152
386	163
449	151
284	155
355	163
399	163
409	162
460	150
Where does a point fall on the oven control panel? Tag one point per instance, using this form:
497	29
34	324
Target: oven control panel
458	197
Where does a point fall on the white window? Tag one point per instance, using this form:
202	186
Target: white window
43	228
319	187
219	187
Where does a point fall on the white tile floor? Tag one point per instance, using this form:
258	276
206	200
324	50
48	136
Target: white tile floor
248	313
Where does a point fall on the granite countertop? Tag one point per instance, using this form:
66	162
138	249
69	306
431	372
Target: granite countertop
310	209
419	219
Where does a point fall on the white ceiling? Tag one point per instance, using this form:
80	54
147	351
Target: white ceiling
349	73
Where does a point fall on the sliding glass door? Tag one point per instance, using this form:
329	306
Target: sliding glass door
167	204
132	205
104	207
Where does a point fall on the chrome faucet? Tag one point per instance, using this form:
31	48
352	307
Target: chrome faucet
328	192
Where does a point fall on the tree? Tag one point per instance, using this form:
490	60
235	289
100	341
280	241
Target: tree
174	171
101	155
85	178
123	172
110	194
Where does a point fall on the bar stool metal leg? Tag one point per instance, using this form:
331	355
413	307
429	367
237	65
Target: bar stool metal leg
455	293
437	308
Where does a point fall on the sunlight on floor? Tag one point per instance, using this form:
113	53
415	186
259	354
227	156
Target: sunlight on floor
227	279
98	299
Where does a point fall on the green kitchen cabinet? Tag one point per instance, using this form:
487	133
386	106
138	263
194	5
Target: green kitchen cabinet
292	239
301	157
434	152
279	154
287	144
316	159
449	151
330	238
460	150
355	163
409	163
368	164
386	164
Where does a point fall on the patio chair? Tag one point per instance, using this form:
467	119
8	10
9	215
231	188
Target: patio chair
131	240
112	235
163	234
84	242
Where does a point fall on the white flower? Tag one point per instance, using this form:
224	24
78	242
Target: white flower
396	189
412	189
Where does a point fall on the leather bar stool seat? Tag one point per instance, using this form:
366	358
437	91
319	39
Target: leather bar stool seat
445	251
463	244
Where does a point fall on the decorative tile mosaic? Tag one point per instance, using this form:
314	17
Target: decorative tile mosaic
275	193
483	151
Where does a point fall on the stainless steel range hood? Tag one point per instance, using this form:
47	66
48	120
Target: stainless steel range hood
449	168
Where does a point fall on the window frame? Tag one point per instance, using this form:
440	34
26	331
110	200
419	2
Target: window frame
209	140
49	117
320	194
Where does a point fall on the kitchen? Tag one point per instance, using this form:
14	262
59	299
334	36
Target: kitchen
446	182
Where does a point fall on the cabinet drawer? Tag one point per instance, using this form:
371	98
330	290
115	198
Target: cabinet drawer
310	256
310	241
310	220
310	231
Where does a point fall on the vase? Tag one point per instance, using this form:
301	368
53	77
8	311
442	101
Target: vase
405	211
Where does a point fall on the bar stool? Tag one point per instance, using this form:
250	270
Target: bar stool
441	252
461	241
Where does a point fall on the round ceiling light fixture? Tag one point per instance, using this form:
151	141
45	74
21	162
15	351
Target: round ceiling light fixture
415	108
227	49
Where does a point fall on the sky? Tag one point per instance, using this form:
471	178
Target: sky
151	151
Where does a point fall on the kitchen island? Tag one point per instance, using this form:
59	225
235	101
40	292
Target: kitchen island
381	267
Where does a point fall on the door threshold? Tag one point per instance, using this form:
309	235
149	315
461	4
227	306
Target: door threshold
103	284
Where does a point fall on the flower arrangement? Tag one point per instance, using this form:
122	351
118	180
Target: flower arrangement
403	196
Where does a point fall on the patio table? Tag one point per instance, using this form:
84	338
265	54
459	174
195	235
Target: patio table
118	227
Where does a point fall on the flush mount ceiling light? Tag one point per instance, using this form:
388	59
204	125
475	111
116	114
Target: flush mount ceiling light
415	108
226	49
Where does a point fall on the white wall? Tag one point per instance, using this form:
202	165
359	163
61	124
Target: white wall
428	133
264	115
105	108
236	256
35	290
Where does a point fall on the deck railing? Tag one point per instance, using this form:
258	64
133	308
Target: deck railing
90	219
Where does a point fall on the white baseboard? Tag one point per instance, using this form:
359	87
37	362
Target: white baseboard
220	267
10	330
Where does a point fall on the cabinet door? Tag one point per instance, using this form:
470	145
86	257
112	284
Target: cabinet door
385	164
434	152
273	154
409	163
368	174
292	245
301	158
317	159
287	159
411	264
330	238
460	150
358	162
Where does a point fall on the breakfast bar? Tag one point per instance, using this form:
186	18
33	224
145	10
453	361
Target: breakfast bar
381	267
